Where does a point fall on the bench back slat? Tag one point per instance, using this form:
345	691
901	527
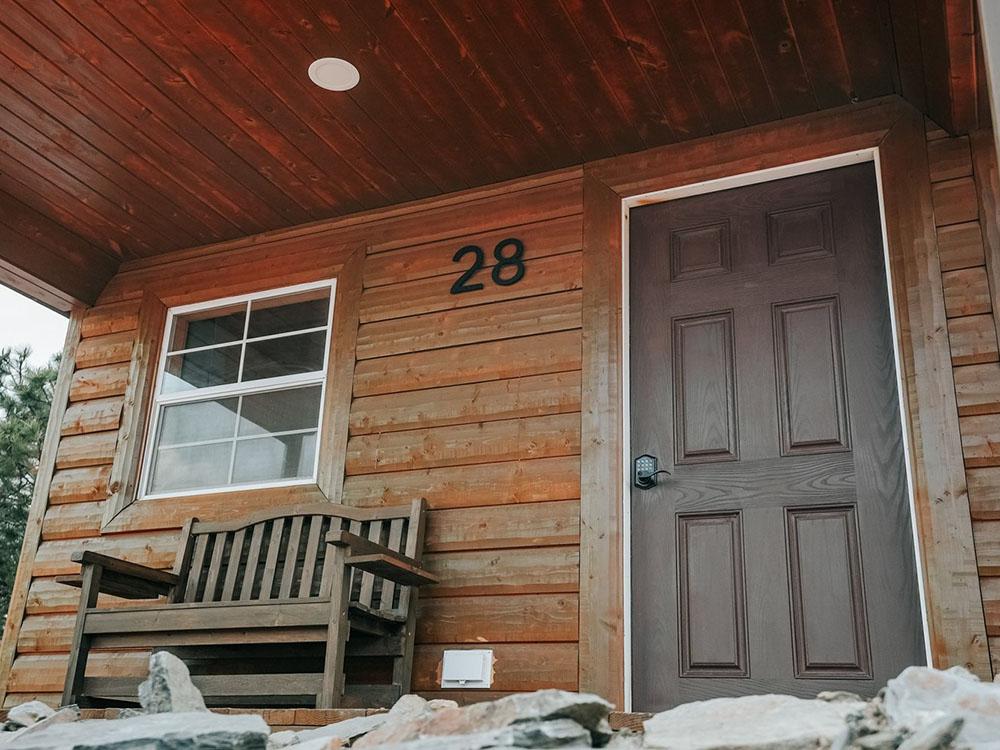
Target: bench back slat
283	555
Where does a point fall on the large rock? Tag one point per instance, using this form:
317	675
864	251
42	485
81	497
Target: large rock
197	730
169	686
588	711
755	722
26	714
920	696
558	733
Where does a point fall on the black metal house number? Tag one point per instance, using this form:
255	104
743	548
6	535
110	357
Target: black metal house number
509	268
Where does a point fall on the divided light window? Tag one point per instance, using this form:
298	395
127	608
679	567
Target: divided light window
239	393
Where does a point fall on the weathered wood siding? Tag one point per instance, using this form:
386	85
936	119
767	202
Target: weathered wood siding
965	216
471	401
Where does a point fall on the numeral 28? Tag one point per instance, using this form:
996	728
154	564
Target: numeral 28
506	259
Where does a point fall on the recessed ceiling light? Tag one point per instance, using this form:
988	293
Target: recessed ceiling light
334	74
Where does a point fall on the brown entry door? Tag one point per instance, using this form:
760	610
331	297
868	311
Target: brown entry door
778	555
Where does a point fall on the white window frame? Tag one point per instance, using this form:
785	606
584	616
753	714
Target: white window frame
159	400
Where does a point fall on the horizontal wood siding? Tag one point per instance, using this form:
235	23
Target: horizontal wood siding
958	191
471	401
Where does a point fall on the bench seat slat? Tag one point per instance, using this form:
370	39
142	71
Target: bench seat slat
217	616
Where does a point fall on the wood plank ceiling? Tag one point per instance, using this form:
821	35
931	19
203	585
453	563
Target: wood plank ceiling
130	128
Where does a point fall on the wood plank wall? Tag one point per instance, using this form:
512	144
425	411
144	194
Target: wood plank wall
962	229
471	401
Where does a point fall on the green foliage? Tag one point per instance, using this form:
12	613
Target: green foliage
25	397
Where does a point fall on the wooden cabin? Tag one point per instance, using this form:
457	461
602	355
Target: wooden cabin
680	315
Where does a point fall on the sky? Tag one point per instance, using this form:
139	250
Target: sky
24	322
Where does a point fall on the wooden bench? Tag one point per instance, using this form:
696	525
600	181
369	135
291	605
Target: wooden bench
267	610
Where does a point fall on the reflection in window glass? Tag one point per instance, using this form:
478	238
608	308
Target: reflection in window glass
288	355
200	421
281	457
240	393
201	369
219	326
269	317
280	411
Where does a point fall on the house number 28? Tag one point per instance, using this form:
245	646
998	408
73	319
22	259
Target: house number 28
509	268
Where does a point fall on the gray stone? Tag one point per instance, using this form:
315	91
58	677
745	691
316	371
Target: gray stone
839	696
920	696
26	714
169	686
937	735
196	730
589	711
558	733
348	730
755	722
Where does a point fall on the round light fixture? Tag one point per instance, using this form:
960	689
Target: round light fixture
334	74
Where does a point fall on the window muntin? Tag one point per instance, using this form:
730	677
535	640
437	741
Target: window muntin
239	395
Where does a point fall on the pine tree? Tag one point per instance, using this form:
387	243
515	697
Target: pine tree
25	398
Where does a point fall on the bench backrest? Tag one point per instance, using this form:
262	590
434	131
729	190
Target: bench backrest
283	555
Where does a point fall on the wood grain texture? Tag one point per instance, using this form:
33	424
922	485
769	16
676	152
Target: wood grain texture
966	292
39	502
434	407
973	340
957	630
602	650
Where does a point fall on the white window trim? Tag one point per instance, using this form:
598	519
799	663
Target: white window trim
287	382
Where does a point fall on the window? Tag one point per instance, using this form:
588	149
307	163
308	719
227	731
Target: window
239	393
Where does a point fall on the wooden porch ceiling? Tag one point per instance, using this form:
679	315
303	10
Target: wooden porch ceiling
132	128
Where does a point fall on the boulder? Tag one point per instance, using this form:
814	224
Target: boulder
169	686
557	733
26	714
755	722
196	730
937	735
921	696
588	711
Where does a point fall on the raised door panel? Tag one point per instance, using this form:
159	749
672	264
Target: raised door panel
700	251
829	616
712	611
812	400
803	233
704	389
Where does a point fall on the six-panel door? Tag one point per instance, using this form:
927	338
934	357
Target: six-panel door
778	555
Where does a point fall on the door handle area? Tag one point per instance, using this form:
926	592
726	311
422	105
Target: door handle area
645	470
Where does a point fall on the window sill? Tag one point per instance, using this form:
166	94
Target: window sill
170	512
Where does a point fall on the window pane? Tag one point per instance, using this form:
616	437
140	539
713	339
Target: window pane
201	369
200	421
270	458
285	314
196	467
288	355
280	411
219	326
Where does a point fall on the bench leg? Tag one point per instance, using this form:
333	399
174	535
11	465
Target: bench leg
332	692
80	648
402	665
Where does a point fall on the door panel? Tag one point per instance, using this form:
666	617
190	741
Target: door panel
777	556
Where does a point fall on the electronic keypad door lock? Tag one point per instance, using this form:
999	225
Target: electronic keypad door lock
645	469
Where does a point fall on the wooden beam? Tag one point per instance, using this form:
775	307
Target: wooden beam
39	501
602	622
951	584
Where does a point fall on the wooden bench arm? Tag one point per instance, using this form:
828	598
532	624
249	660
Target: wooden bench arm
122	578
372	557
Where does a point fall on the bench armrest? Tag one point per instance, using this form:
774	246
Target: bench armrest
372	557
122	578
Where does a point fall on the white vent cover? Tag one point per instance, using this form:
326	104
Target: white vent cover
467	669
